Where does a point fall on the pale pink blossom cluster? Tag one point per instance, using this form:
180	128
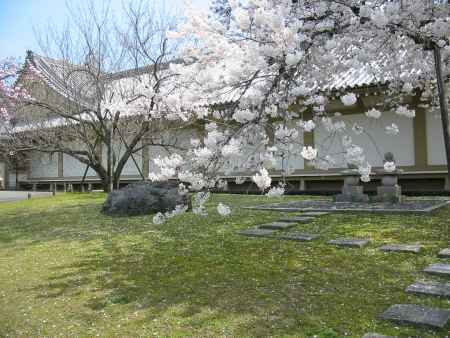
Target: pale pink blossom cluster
273	55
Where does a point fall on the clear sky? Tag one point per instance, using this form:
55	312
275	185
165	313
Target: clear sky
18	18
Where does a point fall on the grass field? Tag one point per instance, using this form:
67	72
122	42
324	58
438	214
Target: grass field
66	270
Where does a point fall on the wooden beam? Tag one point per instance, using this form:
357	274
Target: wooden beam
420	138
308	138
60	165
145	161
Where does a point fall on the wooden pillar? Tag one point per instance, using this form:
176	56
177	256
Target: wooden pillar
90	187
34	186
420	138
60	165
308	137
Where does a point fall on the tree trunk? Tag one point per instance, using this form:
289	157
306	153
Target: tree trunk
443	104
106	184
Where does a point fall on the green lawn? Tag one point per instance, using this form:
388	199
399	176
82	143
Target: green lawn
66	270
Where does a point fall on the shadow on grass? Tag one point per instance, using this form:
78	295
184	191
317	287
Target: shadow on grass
199	271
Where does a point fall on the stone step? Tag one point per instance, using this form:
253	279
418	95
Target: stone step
409	248
257	233
299	237
314	213
430	288
376	335
444	253
298	219
350	242
417	315
281	209
439	269
277	226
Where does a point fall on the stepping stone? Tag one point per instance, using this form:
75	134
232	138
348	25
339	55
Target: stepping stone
444	253
299	219
376	335
276	226
413	248
348	242
257	232
299	237
430	288
314	213
417	315
439	269
281	209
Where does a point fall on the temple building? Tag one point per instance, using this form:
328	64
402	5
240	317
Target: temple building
418	148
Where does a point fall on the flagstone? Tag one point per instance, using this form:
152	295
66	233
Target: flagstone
430	288
444	253
439	269
350	242
412	248
417	315
277	226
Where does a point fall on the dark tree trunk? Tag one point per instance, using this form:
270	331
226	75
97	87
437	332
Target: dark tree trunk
106	186
443	104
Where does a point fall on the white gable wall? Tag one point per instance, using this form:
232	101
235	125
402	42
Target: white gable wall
43	165
401	145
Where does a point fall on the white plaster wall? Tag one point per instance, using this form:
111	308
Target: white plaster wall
435	140
293	159
43	165
401	145
74	168
129	168
12	178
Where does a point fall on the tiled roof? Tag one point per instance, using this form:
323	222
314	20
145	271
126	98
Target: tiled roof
68	80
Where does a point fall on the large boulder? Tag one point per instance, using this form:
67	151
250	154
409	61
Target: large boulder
145	198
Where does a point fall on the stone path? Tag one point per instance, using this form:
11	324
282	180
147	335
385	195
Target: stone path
349	242
439	269
412	248
400	313
409	205
315	213
269	229
430	288
417	315
444	253
13	196
277	226
298	219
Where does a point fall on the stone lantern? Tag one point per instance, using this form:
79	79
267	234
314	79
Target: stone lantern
389	191
352	191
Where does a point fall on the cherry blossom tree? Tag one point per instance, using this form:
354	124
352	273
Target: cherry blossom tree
112	84
261	80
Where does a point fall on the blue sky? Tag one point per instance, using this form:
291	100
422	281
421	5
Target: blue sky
18	18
